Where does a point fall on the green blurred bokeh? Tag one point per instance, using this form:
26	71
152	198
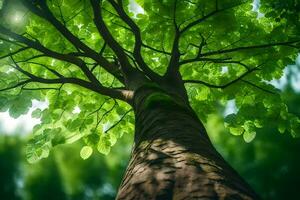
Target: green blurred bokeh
63	175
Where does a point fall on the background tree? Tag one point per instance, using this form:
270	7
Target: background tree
93	60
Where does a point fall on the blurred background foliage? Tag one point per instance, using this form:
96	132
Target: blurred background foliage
270	163
63	175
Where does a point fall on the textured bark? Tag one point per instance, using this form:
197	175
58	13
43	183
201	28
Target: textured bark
173	157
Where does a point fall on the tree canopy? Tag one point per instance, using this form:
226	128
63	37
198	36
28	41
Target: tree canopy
81	55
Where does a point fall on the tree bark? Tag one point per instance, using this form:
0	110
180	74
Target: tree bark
173	157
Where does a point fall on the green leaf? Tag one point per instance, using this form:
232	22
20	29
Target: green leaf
104	145
295	126
282	126
236	130
230	119
3	103
86	152
36	151
73	125
92	139
249	136
36	113
203	94
19	106
58	139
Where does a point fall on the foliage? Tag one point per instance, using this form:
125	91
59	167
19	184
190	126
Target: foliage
83	54
270	163
63	175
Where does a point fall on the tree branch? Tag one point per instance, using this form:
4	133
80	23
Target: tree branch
44	12
173	67
204	18
40	88
119	121
224	85
138	39
156	50
262	46
258	87
111	92
10	41
22	83
106	113
56	73
64	57
107	36
15	52
215	60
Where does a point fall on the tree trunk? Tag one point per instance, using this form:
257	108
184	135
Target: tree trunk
173	157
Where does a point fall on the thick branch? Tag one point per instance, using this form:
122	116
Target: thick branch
114	93
45	13
109	39
38	46
173	66
138	39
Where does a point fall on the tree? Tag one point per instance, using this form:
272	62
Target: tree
170	63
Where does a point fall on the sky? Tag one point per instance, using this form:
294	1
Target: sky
25	123
135	8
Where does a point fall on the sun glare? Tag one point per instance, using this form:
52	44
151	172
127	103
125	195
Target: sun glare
76	110
135	8
17	17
